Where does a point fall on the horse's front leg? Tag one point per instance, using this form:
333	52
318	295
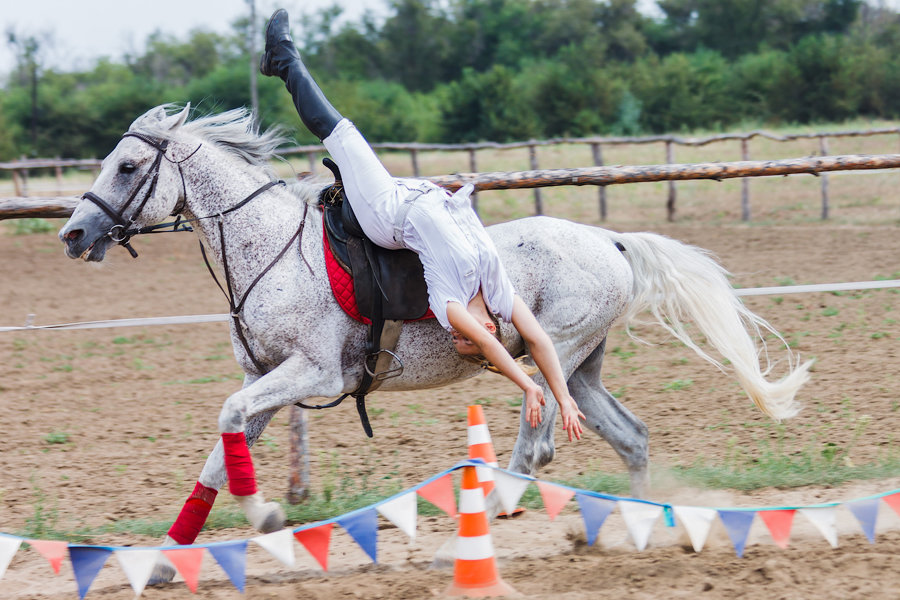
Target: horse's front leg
290	382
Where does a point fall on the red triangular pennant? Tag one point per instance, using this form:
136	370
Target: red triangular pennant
316	541
779	523
893	501
53	551
440	493
555	497
187	561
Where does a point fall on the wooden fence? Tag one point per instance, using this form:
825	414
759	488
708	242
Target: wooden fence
669	172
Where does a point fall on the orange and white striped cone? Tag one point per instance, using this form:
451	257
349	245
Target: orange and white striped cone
480	446
475	572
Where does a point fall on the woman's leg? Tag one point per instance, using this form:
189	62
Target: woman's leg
282	59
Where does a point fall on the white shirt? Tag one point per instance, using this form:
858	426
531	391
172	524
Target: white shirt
458	256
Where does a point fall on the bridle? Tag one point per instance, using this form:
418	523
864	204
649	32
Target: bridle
122	228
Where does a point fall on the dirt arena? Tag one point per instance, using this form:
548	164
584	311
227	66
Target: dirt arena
114	424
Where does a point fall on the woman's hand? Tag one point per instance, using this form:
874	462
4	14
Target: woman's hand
570	416
534	400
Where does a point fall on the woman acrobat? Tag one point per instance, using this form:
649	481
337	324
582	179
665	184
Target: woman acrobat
466	281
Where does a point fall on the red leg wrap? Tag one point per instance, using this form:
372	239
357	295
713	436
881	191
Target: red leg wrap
193	515
238	465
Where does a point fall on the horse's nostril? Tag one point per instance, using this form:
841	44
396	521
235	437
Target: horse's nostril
74	235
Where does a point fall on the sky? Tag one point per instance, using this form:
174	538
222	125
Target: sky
84	30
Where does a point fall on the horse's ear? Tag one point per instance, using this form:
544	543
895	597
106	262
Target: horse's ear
153	115
177	120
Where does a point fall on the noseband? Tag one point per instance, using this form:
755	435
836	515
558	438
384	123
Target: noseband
122	228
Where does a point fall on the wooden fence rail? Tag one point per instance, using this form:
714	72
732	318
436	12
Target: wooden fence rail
21	168
15	208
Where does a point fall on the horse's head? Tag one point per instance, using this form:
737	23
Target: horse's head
139	184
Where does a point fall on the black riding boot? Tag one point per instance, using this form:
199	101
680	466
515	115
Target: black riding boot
282	59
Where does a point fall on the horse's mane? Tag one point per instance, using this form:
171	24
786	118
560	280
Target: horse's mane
234	131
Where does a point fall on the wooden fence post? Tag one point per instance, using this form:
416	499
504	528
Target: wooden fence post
670	203
59	180
473	168
823	149
745	182
532	156
311	158
597	153
17	184
414	156
298	479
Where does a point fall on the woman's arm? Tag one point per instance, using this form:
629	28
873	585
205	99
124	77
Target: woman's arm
540	346
467	325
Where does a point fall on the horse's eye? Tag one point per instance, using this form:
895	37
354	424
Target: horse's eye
126	167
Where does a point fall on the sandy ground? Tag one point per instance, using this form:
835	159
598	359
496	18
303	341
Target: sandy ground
114	424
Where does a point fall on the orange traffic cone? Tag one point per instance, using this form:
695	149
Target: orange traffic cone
475	572
481	446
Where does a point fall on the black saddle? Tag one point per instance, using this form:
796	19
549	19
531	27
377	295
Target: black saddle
389	286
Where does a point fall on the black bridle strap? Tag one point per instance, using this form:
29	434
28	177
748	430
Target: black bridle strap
237	308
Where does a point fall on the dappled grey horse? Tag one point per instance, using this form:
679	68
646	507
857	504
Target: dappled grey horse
295	343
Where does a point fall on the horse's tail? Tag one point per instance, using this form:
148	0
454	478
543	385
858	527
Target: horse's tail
677	283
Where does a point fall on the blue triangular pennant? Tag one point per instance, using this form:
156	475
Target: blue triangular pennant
86	563
233	560
866	512
594	512
363	527
737	523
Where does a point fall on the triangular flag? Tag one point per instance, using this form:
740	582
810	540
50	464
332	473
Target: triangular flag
232	557
510	489
188	562
737	523
696	521
138	565
316	541
824	520
9	545
779	523
279	544
53	551
86	563
594	512
893	501
555	497
866	512
639	519
440	493
363	527
402	511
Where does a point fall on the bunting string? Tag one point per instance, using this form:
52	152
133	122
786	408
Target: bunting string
640	517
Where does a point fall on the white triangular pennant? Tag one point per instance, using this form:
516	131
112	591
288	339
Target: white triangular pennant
639	519
824	520
138	566
696	521
279	544
509	488
402	512
9	545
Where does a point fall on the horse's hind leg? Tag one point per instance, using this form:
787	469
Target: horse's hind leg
609	419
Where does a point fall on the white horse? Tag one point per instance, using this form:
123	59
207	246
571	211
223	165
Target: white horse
299	344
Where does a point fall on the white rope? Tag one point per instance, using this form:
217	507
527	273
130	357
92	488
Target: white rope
190	319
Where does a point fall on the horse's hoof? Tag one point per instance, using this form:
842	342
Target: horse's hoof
445	556
162	573
274	519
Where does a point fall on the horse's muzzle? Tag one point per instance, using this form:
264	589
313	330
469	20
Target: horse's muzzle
86	237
